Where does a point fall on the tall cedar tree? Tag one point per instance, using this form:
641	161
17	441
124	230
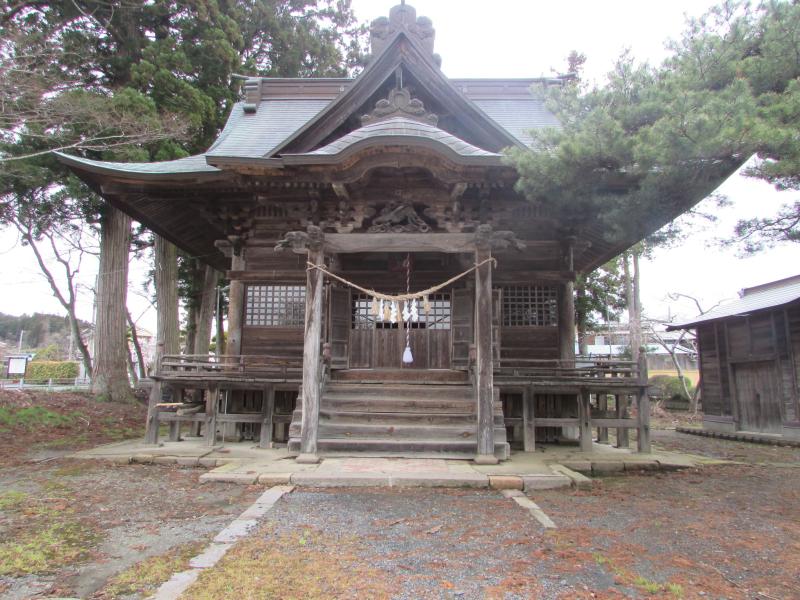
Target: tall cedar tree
165	64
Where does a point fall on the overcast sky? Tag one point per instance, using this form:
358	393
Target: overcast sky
528	38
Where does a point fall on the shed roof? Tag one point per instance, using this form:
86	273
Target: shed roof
753	299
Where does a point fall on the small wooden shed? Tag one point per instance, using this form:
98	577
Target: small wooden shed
750	359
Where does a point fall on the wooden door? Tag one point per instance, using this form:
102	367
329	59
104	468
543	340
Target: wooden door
758	397
339	319
463	326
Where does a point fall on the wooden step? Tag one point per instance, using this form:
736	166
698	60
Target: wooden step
465	449
431	376
416	390
403	418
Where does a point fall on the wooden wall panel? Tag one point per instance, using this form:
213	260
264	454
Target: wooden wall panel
279	341
709	367
529	342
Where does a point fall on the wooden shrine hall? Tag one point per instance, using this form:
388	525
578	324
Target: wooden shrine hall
390	291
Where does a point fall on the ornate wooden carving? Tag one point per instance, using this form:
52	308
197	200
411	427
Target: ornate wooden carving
302	241
399	104
399	217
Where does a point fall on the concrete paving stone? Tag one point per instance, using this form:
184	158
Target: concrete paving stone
314	479
582	466
187	461
121	460
603	467
237	529
274	478
642	465
165	460
207	462
475	480
210	556
176	585
243	478
578	480
512	493
505	482
142	459
545	482
221	462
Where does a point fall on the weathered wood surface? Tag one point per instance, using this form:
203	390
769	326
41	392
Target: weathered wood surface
212	398
312	352
267	416
483	342
235	308
528	420
643	412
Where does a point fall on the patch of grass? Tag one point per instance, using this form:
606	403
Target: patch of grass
42	534
276	567
675	589
40	550
13	500
34	417
651	587
144	578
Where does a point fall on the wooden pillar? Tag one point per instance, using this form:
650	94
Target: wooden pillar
211	415
151	432
311	350
483	343
585	420
528	420
643	412
566	312
602	406
233	346
267	410
621	407
175	426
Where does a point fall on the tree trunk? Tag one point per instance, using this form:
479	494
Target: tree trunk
110	376
581	318
205	312
166	279
631	278
137	347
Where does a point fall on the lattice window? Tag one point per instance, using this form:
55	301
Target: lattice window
437	318
530	305
275	305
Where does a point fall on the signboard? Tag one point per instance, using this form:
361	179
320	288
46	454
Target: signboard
17	365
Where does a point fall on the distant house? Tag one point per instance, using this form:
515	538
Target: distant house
750	359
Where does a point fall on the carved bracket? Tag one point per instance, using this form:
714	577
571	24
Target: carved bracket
485	237
399	104
300	242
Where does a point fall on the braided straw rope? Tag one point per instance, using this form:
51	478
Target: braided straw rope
401	297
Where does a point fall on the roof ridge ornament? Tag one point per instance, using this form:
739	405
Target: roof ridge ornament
402	17
399	104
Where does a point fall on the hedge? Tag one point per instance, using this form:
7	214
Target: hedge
51	369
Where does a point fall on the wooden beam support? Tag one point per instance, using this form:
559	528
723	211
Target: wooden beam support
233	345
312	349
621	408
602	406
151	432
211	415
585	420
483	343
643	412
528	420
267	412
566	313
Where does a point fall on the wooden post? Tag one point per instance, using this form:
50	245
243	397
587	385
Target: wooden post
311	349
483	343
602	406
233	346
585	420
621	406
267	410
211	415
151	433
528	420
175	426
643	442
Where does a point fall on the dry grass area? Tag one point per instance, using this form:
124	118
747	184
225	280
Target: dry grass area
91	529
308	565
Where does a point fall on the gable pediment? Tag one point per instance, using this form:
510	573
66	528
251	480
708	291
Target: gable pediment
402	63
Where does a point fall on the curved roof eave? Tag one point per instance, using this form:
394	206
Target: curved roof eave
385	140
189	168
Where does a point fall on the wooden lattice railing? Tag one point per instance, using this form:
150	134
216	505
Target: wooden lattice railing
210	366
